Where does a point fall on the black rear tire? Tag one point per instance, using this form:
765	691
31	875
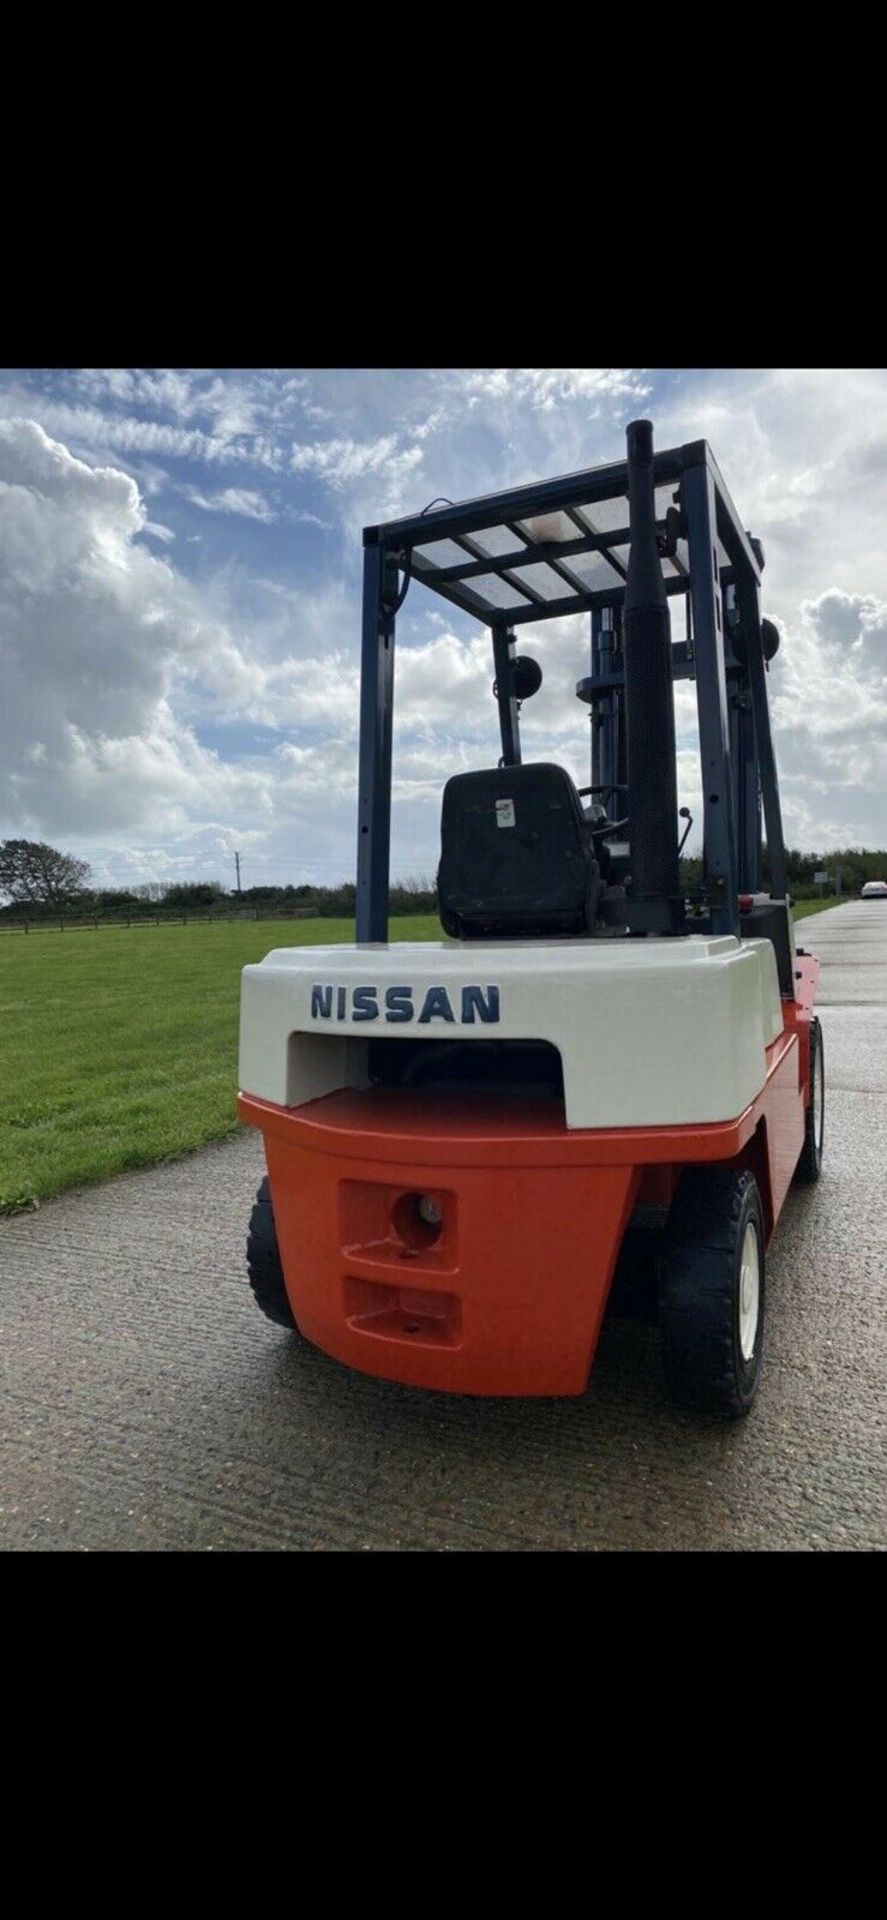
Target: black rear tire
711	1307
809	1166
263	1262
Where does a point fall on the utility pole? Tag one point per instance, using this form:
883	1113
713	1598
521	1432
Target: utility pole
237	866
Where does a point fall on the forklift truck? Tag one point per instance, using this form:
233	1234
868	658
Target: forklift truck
465	1138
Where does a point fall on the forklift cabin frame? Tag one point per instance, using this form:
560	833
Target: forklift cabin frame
484	557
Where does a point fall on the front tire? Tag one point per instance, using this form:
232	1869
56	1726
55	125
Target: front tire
711	1309
263	1262
809	1166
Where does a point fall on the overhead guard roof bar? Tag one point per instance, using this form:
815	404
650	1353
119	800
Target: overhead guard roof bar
575	496
522	503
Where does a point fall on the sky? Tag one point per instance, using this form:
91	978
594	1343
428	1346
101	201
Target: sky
180	567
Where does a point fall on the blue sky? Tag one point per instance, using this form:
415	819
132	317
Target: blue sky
180	559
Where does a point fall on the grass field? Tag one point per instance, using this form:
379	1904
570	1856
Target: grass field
119	1047
801	908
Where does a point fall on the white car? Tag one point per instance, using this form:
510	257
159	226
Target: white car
874	890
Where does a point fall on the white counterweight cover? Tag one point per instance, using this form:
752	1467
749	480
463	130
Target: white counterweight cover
650	1032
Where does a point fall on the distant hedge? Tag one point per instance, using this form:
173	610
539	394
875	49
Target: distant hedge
208	897
855	865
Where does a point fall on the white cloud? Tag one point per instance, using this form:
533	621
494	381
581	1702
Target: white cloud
113	664
856	625
95	630
238	500
117	668
127	433
829	706
432	424
163	391
340	461
106	411
548	387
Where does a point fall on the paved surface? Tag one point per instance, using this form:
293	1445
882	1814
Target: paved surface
146	1404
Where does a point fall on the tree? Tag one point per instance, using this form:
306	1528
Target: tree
32	874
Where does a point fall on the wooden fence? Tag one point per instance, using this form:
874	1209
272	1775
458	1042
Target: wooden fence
68	924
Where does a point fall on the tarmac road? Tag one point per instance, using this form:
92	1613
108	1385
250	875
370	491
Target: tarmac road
146	1403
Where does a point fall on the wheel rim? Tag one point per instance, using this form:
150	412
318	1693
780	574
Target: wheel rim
818	1099
749	1292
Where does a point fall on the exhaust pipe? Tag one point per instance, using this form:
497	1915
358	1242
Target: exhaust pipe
655	904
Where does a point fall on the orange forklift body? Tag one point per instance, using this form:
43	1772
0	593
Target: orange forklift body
507	1293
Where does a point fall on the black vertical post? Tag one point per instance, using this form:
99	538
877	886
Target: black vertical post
759	844
655	905
596	715
732	674
750	824
743	757
509	724
698	497
748	597
620	746
376	711
734	722
605	719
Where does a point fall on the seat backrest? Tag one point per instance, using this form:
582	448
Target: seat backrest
516	854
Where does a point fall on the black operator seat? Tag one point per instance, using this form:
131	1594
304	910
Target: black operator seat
517	856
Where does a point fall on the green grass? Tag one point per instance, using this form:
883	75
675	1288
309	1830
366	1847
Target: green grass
119	1047
802	907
